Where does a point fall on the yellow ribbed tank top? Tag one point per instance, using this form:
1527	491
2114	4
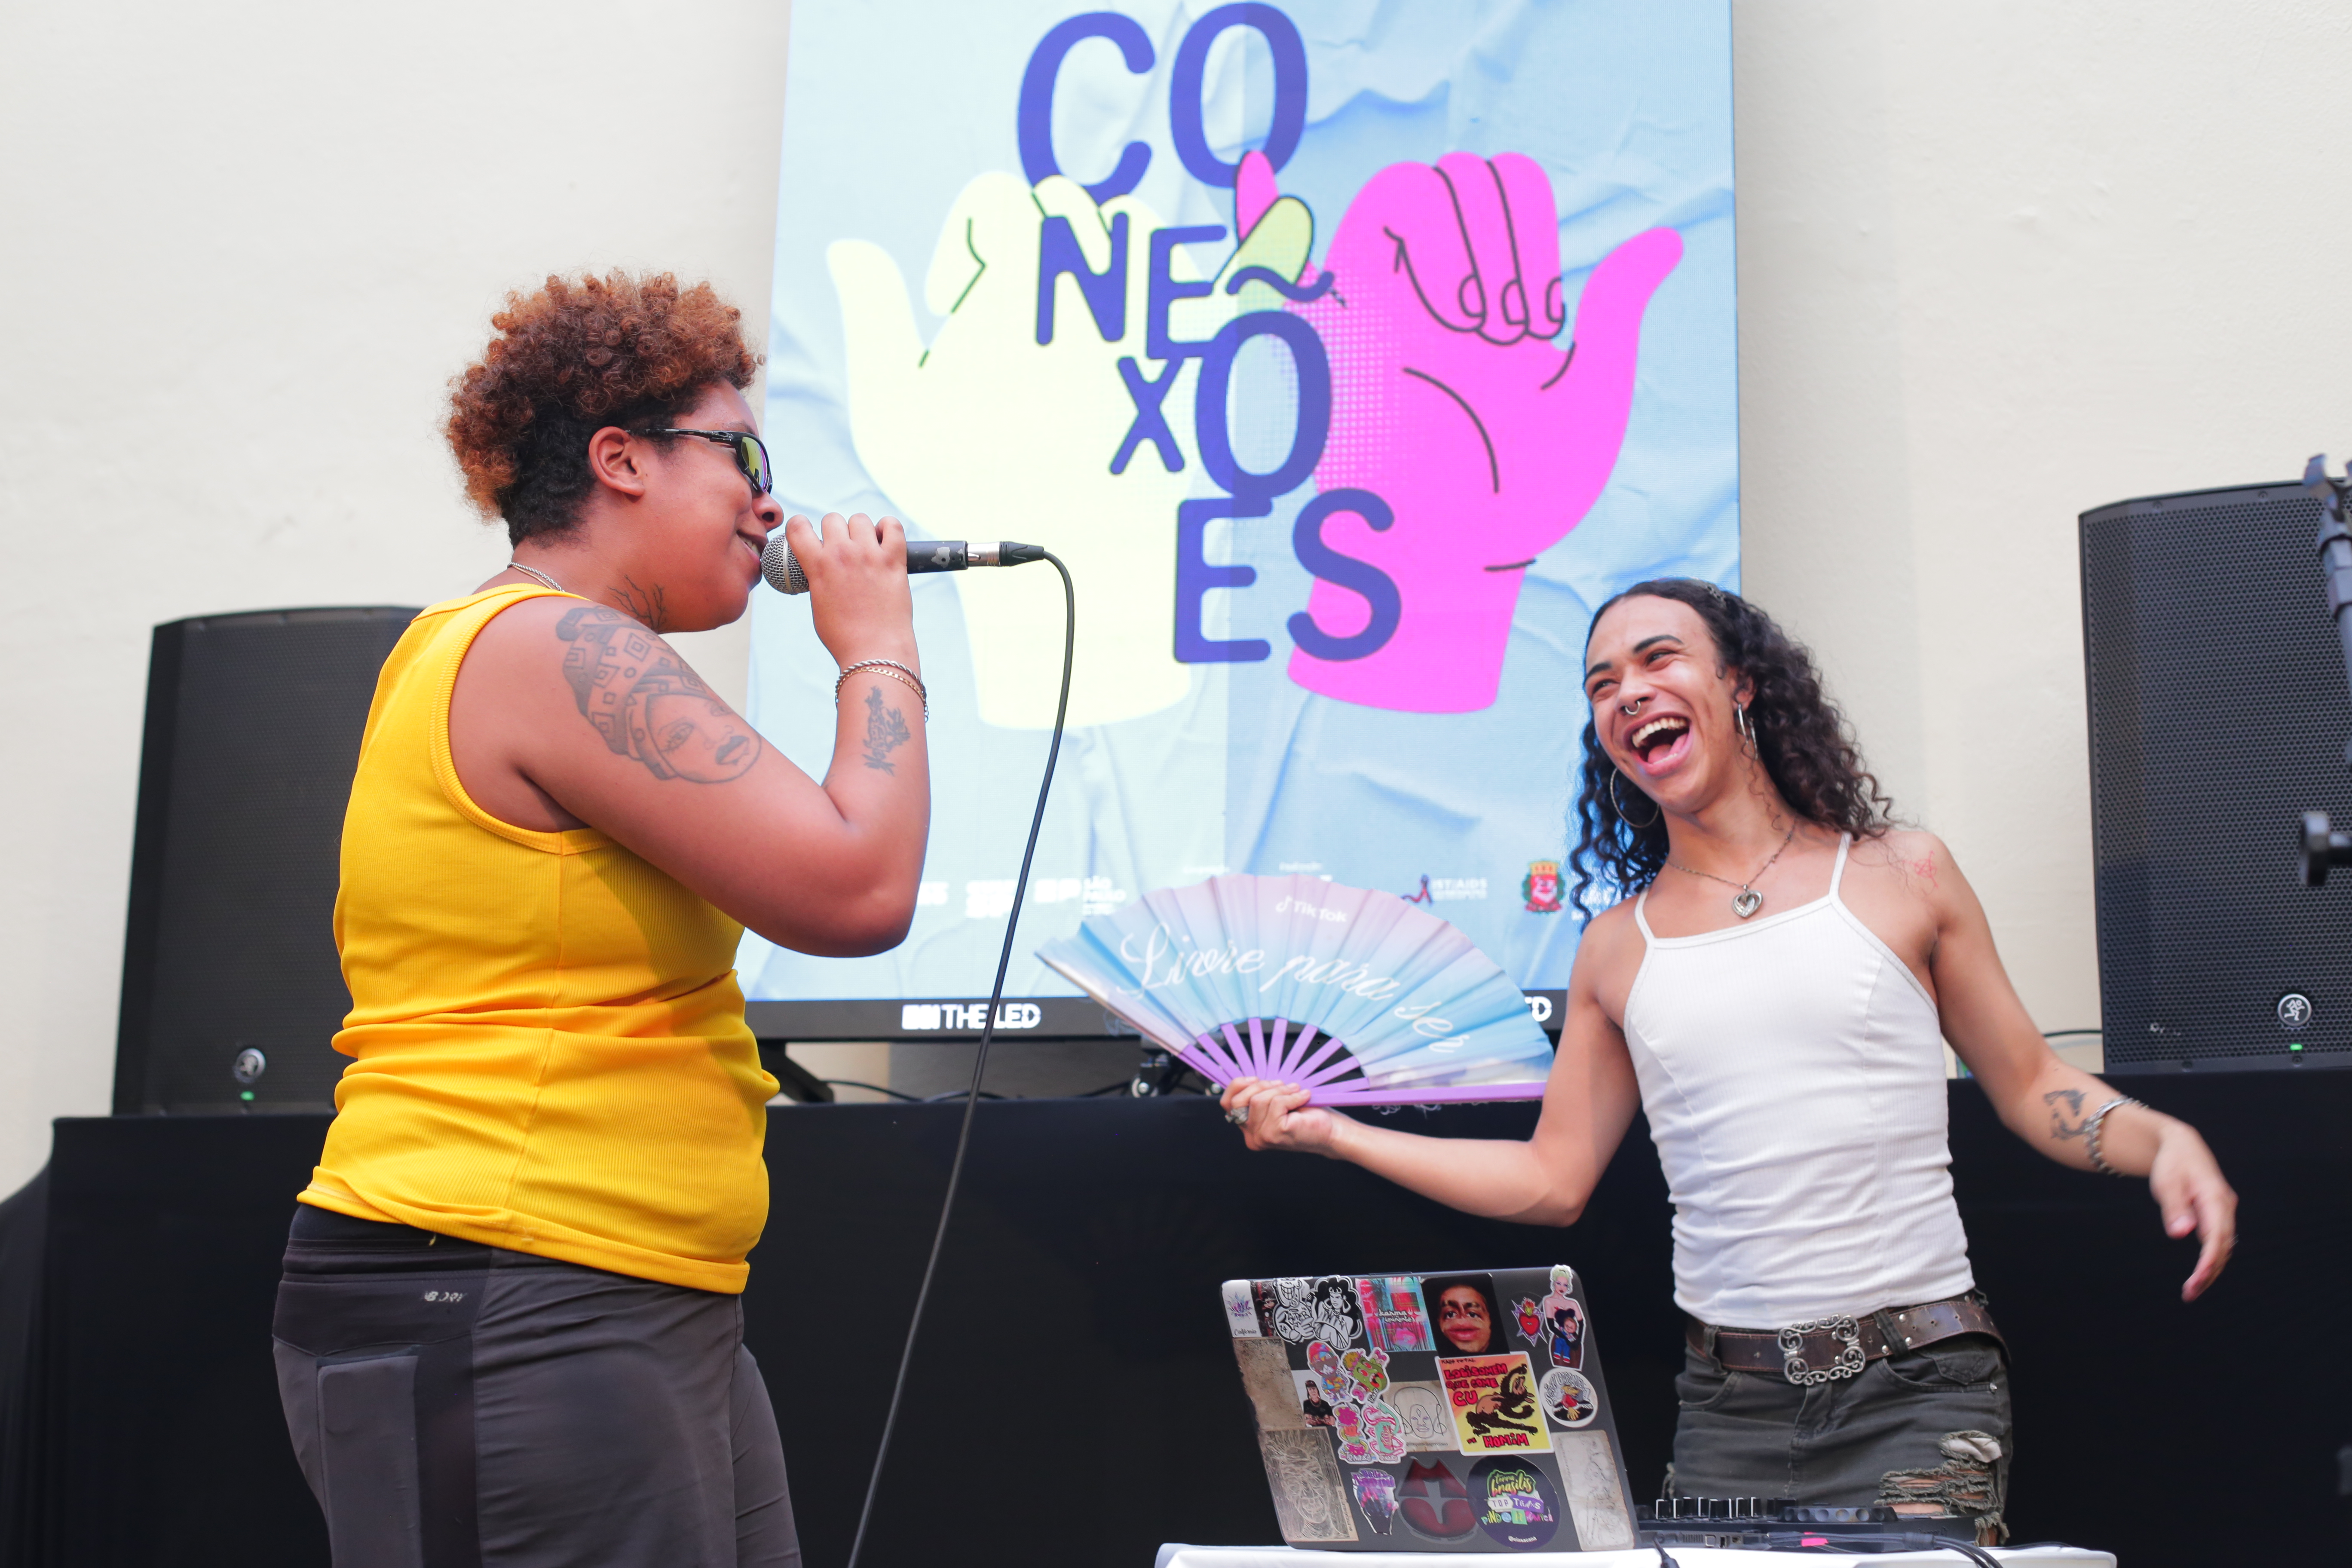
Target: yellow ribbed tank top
551	1049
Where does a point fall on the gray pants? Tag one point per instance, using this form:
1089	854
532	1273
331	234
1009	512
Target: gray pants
1924	1426
463	1406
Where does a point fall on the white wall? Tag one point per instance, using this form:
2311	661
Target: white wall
2000	262
243	249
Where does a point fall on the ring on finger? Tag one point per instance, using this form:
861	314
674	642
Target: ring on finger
1238	1115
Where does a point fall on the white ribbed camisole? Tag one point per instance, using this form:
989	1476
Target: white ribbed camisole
1792	1070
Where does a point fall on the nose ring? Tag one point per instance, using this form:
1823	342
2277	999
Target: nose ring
1630	708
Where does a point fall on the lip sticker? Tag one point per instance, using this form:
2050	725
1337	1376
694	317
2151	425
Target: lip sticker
1434	1502
1569	1397
1516	1502
1492	1398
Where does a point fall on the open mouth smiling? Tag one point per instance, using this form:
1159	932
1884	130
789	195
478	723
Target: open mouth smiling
1659	741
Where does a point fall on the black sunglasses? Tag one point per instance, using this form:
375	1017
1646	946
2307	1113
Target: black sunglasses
749	455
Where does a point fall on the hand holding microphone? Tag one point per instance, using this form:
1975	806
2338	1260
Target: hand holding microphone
854	574
782	567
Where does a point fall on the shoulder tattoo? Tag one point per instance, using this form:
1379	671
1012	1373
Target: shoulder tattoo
648	704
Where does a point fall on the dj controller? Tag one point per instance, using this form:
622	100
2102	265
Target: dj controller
1772	1525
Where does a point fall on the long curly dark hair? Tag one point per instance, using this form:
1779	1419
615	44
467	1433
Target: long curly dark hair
1800	737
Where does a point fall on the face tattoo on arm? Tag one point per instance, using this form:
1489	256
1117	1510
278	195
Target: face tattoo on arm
648	704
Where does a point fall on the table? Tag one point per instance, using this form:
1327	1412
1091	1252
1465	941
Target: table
1180	1556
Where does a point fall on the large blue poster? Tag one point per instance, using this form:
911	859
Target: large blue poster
1349	352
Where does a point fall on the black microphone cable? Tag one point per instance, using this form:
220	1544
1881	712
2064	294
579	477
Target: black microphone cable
979	1064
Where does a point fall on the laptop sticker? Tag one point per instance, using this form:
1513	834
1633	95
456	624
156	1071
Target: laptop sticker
1321	1309
1393	1319
1266	1375
1569	1397
1369	1432
1366	1371
1588	1474
1422	1411
1241	1311
1463	1310
1555	1324
1317	1399
1516	1502
1309	1501
1492	1398
1323	1361
1376	1498
1434	1502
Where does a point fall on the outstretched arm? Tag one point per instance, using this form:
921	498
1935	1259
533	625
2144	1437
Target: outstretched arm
1589	1101
2050	1104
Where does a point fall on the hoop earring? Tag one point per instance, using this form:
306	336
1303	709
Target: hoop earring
1739	722
1657	810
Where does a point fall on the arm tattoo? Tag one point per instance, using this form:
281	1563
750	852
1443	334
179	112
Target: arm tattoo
648	704
885	731
2060	1128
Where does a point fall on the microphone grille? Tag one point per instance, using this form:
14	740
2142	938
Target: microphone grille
781	568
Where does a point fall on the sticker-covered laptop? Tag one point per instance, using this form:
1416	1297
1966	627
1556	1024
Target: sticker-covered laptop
1461	1411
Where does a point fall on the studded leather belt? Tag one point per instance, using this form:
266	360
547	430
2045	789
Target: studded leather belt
1828	1349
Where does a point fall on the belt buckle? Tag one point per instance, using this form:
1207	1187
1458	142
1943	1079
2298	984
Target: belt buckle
1848	1362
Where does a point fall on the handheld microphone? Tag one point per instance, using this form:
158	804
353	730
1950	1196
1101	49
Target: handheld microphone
781	568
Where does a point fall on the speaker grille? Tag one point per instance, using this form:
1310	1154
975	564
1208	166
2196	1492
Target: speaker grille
253	732
2219	713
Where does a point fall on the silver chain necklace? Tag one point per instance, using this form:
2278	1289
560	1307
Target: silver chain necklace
1748	900
534	572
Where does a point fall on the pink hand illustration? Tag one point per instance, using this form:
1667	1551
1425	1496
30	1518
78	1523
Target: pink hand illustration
1451	403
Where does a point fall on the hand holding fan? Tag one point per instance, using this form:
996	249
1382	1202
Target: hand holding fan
1358	996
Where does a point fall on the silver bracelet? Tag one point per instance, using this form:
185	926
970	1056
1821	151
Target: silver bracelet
2091	1130
892	669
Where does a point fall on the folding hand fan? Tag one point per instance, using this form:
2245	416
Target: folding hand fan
1358	996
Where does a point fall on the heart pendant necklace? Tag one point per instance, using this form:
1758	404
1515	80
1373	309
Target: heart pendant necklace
1748	900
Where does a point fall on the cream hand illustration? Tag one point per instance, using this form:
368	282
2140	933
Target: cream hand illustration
1483	442
1008	423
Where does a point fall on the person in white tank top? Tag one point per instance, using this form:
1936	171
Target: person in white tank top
1776	994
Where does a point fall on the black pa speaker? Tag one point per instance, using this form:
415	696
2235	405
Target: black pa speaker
231	990
2219	714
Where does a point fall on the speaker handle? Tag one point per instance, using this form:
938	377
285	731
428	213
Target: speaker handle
2335	547
2320	847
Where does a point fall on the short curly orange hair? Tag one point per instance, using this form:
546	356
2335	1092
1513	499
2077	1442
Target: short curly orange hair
577	356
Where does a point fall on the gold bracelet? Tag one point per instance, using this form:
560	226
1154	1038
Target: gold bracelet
894	671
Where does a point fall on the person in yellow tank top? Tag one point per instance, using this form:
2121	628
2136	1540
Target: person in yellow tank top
509	1330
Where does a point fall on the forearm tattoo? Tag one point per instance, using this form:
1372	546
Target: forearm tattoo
2064	1103
648	704
885	731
